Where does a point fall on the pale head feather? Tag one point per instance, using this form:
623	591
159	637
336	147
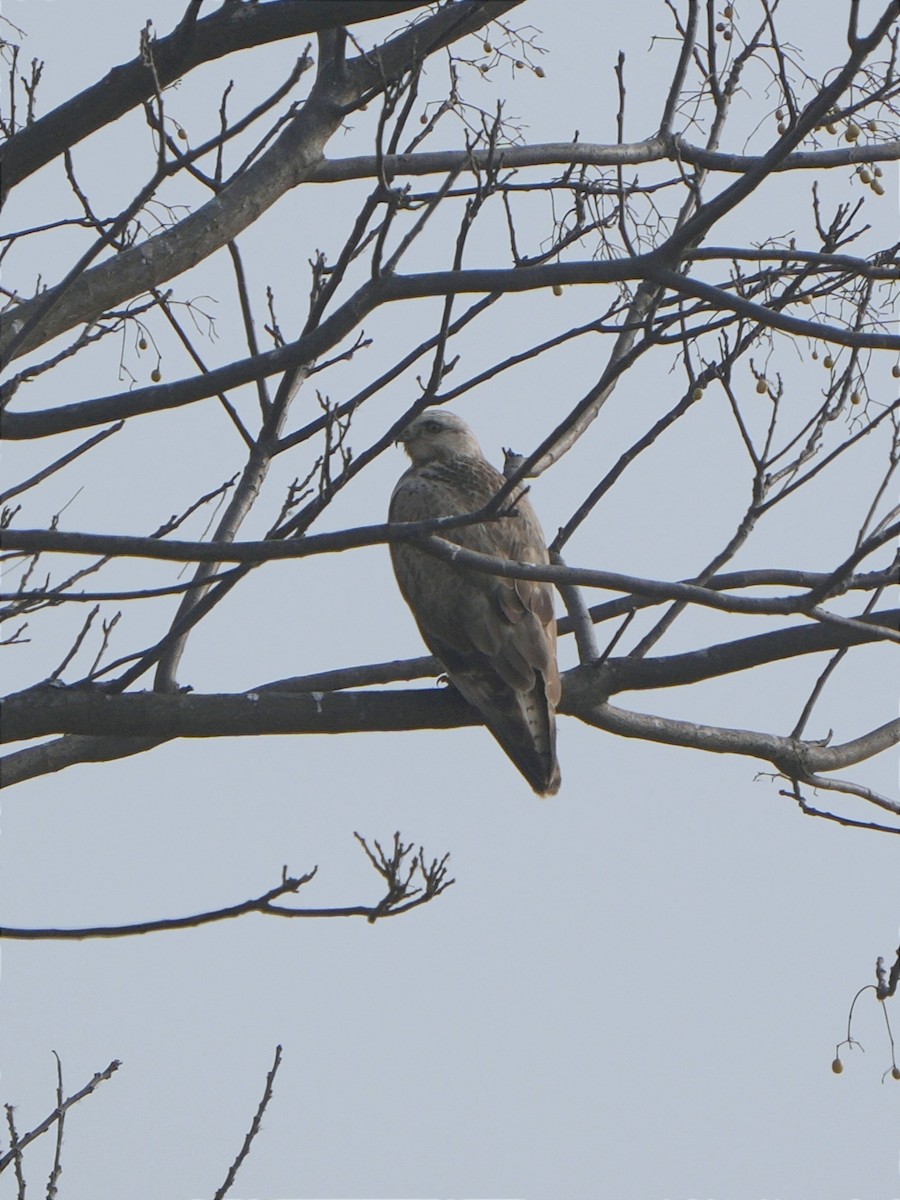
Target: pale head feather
439	436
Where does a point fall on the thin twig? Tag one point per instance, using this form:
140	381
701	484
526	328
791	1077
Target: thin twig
254	1129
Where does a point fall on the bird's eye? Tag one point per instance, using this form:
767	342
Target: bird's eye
433	426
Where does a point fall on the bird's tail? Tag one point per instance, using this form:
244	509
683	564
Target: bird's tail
524	724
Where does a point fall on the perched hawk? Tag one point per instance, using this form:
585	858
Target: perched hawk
496	637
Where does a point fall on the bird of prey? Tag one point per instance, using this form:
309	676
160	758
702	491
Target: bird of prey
495	637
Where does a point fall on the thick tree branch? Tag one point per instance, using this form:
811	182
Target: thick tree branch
41	711
294	706
166	716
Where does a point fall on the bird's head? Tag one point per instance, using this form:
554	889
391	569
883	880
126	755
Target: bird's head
438	436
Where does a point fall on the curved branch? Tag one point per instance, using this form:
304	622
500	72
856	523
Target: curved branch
51	540
166	716
262	905
794	758
395	868
811	580
293	706
848	788
387	289
390	289
259	904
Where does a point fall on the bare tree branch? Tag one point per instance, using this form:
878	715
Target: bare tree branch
241	201
616	220
226	31
57	1115
254	1129
398	870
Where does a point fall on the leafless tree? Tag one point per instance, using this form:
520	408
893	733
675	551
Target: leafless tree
638	248
640	238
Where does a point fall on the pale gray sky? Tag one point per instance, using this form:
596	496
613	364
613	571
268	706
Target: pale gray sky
633	990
